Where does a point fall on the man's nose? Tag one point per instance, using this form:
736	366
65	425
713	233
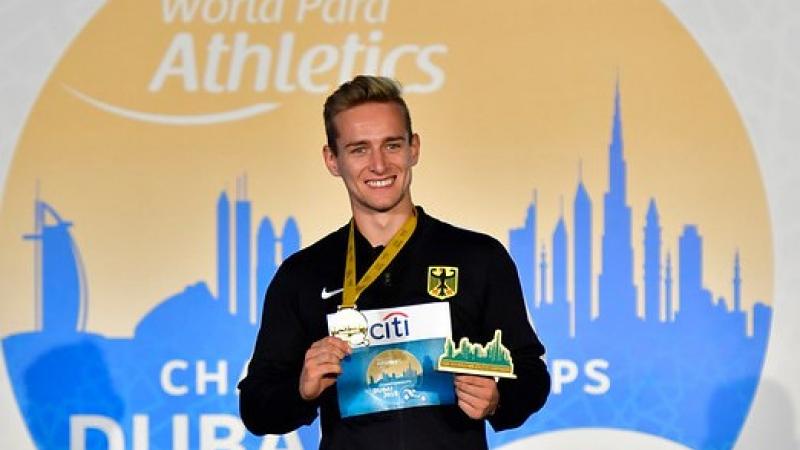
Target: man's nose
377	161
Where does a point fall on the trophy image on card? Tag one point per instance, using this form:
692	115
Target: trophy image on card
491	360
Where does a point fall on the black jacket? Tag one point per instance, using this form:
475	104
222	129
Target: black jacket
488	298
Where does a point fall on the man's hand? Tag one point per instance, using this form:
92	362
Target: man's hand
477	396
322	366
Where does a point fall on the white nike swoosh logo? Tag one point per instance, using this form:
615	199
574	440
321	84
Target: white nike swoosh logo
328	294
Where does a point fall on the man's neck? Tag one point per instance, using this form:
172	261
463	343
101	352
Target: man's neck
379	227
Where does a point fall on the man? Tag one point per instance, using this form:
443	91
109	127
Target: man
295	364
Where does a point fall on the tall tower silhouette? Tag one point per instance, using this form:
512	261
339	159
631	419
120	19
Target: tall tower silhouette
560	261
266	252
265	261
223	249
543	279
290	238
562	307
690	267
243	265
737	283
61	294
694	301
741	316
669	312
582	250
617	292
652	264
522	242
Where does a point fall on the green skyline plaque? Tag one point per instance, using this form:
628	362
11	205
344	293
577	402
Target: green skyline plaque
491	360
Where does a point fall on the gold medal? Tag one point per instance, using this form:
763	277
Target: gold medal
349	325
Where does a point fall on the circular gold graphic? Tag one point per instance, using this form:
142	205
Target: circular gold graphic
393	365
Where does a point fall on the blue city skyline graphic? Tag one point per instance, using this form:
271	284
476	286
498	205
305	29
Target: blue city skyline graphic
685	370
396	386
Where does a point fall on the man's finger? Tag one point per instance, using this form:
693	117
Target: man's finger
337	343
321	359
328	346
320	370
325	352
476	399
482	391
474	380
469	410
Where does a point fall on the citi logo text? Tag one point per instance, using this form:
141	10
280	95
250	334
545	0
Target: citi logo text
392	325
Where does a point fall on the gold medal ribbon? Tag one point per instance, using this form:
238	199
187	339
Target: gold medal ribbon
352	289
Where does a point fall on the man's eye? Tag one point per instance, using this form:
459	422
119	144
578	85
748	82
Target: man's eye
358	150
393	146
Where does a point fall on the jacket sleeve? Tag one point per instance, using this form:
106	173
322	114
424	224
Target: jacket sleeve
269	399
505	310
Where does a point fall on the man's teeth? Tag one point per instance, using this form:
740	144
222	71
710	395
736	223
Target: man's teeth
381	183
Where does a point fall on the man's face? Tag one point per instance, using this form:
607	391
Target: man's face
374	156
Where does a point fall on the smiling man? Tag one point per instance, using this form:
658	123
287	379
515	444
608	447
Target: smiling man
391	255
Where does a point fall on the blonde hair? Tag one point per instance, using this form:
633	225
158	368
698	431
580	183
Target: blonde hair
362	89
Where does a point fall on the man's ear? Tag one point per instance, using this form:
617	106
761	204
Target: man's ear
330	160
414	149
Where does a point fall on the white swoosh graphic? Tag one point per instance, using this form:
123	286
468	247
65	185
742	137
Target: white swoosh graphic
328	294
168	119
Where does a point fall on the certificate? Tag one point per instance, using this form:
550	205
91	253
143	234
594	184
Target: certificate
397	369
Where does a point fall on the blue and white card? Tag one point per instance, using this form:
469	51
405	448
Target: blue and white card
397	369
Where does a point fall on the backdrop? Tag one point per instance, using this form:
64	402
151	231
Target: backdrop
158	160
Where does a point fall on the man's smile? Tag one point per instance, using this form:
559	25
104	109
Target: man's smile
382	182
